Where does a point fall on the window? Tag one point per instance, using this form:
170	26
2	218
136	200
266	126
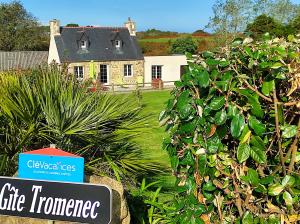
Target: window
83	44
103	74
78	72
156	71
128	70
118	43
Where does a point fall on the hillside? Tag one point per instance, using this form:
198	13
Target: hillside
157	42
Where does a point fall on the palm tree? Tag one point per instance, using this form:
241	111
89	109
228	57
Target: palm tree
46	106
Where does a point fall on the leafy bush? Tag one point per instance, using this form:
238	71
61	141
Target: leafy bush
47	106
183	45
234	127
149	205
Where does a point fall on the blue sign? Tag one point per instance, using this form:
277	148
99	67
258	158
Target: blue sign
51	164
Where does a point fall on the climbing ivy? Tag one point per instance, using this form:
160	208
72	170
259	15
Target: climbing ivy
233	124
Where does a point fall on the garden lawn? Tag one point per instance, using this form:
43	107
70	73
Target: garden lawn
151	137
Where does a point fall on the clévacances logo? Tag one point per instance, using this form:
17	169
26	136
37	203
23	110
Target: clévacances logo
43	165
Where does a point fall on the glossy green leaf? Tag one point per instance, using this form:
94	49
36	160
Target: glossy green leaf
288	181
207	54
246	133
253	177
212	62
232	111
288	199
220	117
266	180
261	189
257	142
202	161
265	64
275	189
217	103
202	78
267	87
258	155
247	218
288	131
243	152
273	219
237	125
276	65
258	127
237	41
174	162
213	144
187	159
208	186
248	51
183	105
280	114
253	100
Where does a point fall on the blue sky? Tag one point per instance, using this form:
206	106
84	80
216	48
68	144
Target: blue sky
173	15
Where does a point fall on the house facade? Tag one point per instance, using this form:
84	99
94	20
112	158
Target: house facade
110	55
166	68
107	54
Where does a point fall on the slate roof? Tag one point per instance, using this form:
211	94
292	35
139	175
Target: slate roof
22	59
100	44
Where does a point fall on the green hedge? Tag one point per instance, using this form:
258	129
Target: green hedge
233	124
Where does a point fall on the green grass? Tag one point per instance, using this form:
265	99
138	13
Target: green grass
151	136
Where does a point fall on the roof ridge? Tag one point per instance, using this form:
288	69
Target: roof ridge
92	27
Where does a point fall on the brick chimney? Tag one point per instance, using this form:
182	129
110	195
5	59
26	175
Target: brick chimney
131	27
54	27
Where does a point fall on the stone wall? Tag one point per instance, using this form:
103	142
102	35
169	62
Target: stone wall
115	71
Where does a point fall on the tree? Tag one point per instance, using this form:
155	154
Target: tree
19	30
283	10
72	25
183	45
232	16
265	24
294	25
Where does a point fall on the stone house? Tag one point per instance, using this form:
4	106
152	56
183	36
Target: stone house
107	54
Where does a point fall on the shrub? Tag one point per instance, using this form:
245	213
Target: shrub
234	127
47	106
183	45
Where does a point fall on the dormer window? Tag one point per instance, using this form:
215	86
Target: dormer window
118	43
83	44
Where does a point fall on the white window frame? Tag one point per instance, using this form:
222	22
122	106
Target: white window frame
156	71
118	43
77	73
83	44
126	70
